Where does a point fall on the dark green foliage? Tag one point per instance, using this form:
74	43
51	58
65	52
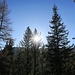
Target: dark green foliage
42	60
36	55
26	42
23	63
31	58
27	45
59	52
28	60
19	64
5	29
6	57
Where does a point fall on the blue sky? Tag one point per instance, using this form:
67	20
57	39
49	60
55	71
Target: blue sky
37	14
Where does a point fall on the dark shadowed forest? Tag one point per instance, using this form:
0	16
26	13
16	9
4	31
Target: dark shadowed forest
32	56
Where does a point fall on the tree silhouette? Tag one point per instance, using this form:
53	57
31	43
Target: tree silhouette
36	52
26	43
59	52
24	57
5	28
6	57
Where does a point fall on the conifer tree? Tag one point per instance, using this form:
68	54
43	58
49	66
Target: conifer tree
36	51
5	28
26	43
23	63
59	52
42	60
6	58
19	63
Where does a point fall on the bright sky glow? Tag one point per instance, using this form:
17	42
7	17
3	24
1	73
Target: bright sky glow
37	14
37	38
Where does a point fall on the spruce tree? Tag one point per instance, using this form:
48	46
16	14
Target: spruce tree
36	52
19	63
23	63
58	56
42	60
6	59
27	45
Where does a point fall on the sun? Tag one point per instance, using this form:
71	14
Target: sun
37	38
